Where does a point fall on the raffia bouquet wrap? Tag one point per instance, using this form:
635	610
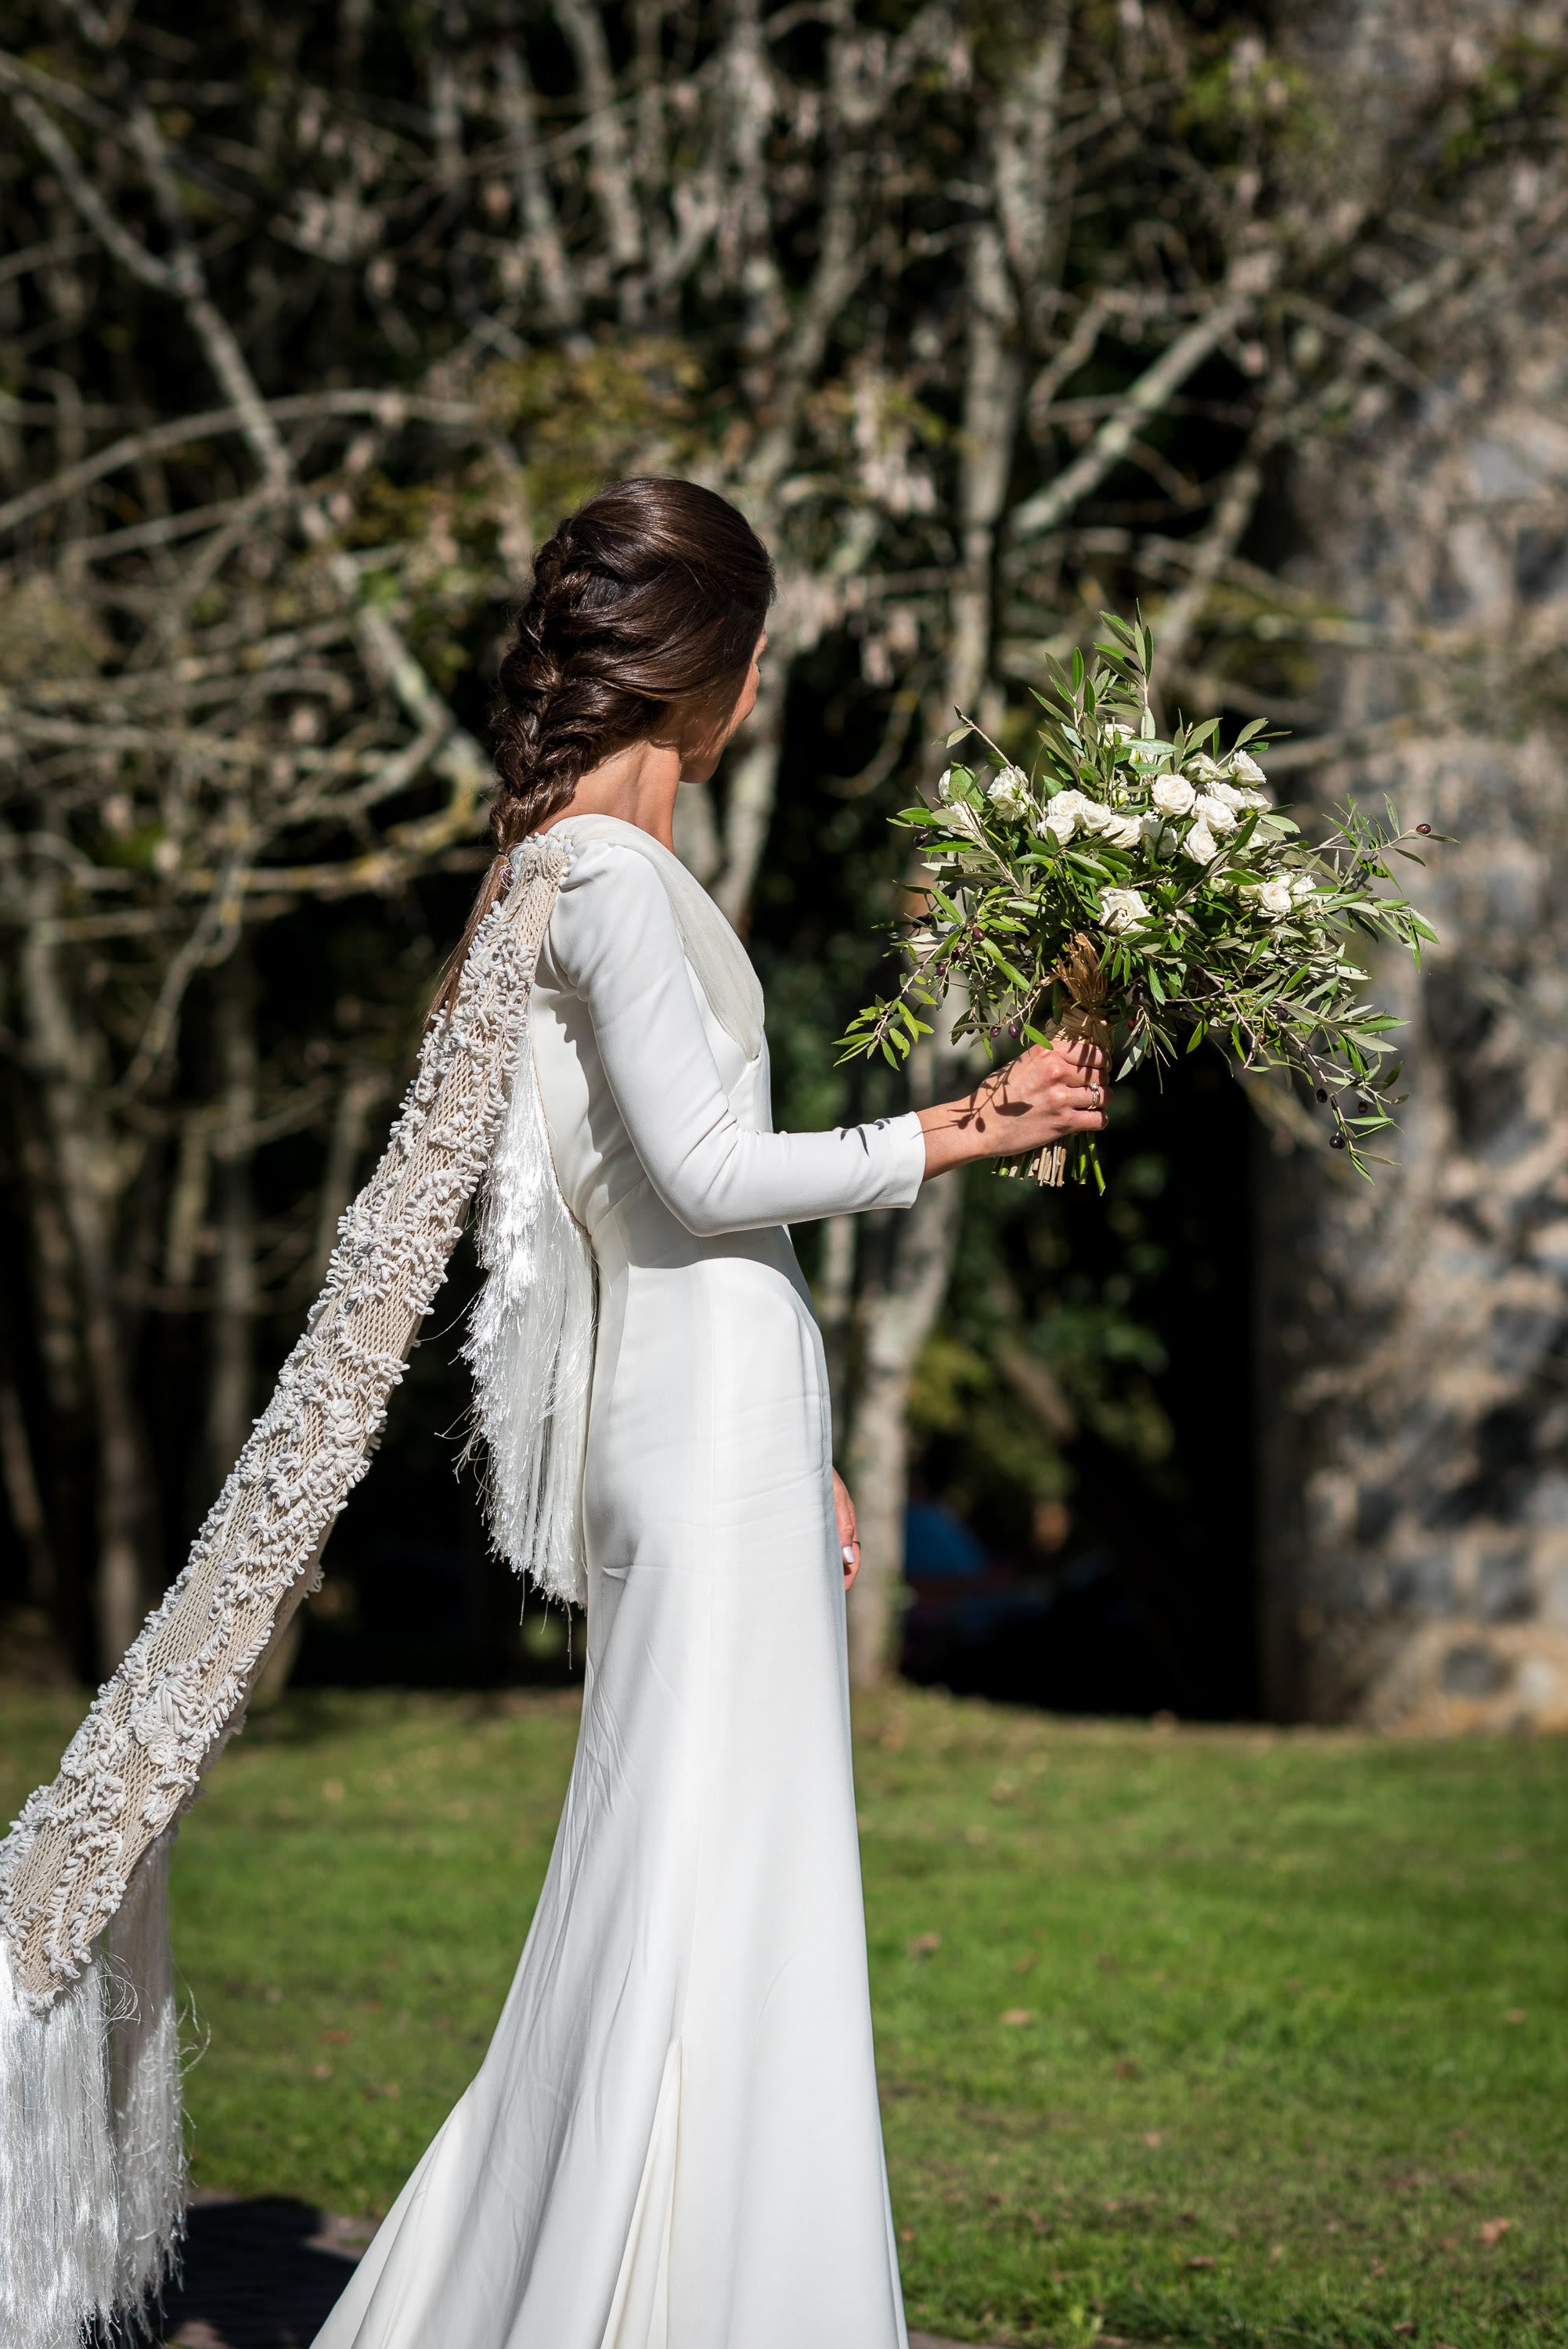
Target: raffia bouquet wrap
1137	886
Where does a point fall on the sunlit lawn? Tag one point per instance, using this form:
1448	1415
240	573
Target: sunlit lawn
1216	2036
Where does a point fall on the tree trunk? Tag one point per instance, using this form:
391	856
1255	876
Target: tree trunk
24	1499
232	1329
897	1324
835	1304
900	1318
360	1093
748	803
87	1172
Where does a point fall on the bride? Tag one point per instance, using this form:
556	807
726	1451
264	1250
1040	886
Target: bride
674	2141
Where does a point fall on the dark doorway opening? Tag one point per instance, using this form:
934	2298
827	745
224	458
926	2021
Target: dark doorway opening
1147	1601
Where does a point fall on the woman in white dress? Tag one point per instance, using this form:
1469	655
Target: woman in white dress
674	2142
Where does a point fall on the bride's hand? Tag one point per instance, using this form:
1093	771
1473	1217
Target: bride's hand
1046	1096
848	1539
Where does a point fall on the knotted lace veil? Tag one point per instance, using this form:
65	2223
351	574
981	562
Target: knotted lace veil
92	2173
92	2167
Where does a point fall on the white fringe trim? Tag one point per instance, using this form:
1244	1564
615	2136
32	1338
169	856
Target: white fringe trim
92	2153
60	2239
147	2112
530	1348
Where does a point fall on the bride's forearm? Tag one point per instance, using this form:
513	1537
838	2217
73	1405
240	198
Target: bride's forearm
958	1131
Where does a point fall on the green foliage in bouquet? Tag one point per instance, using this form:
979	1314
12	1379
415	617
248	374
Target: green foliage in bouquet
1152	884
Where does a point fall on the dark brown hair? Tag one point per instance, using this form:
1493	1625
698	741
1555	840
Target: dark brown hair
645	605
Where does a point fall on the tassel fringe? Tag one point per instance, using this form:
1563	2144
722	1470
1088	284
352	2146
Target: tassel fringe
92	2153
530	1348
58	2208
148	2112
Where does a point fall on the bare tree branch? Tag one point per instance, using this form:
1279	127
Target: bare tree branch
563	298
390	407
1146	399
1233	511
611	175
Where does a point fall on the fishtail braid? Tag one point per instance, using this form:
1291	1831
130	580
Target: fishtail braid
646	602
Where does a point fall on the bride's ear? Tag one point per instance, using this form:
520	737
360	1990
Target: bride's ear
700	735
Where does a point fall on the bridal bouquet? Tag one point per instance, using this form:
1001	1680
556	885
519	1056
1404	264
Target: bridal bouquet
1132	883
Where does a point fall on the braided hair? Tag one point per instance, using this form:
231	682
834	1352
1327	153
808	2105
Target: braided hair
646	605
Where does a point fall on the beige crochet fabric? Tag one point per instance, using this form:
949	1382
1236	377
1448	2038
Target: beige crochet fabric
179	1694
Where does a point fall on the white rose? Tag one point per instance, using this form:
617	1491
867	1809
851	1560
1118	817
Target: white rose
1210	809
1201	844
1010	792
1302	888
1159	837
1240	799
945	783
1121	910
1062	817
1245	769
1202	769
1070	810
1123	831
1274	898
961	817
1171	796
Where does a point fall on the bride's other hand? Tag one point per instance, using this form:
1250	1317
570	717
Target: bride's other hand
848	1539
1046	1096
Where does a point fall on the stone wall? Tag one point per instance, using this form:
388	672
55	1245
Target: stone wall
1412	1338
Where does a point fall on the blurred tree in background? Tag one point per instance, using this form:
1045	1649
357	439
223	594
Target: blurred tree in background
313	320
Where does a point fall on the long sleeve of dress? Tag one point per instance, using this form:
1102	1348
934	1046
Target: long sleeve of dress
613	940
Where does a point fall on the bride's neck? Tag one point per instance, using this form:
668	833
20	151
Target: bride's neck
637	784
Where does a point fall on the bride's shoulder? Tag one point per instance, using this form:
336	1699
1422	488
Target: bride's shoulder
611	898
603	868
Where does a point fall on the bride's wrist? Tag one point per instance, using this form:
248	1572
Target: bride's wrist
959	1131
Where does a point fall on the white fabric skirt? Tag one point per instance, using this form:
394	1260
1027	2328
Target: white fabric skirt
674	2142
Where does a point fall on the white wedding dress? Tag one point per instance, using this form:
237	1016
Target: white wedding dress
674	2142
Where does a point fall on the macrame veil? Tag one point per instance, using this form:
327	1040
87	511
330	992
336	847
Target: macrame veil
92	2175
92	2167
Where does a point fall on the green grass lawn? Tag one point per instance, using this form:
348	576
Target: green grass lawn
1214	2036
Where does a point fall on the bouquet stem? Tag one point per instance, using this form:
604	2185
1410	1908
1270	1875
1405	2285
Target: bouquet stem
1085	1018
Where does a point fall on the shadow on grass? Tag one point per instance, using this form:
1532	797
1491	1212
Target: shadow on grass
261	2274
